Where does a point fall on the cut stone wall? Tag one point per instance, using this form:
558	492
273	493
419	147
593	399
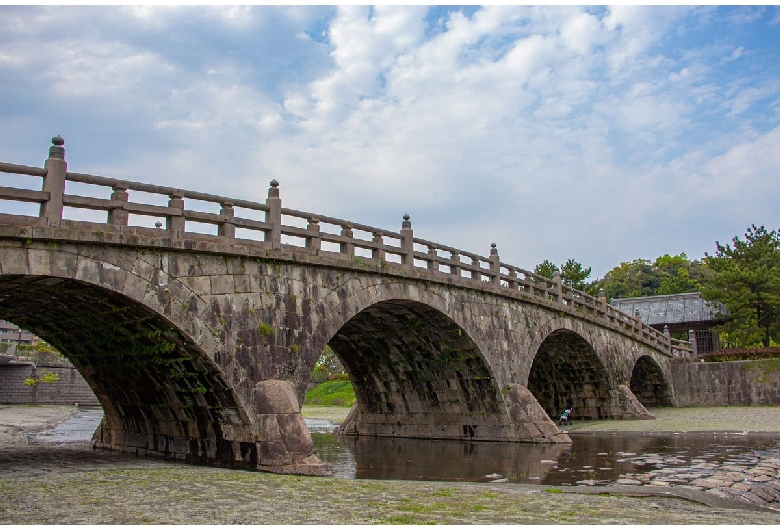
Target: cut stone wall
727	383
70	389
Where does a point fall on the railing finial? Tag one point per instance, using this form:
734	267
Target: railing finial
56	150
407	221
493	249
273	191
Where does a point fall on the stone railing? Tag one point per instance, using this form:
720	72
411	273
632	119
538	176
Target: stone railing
279	228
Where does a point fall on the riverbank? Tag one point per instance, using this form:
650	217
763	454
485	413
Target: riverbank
70	484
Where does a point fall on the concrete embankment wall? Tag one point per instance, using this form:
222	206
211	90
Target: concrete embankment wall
699	384
71	388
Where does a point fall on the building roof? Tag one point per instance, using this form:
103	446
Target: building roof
671	308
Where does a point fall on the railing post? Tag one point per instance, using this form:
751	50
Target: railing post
455	269
175	223
347	248
54	183
476	274
274	216
378	253
557	288
433	259
495	265
226	227
603	300
313	241
512	283
667	338
692	340
118	215
407	242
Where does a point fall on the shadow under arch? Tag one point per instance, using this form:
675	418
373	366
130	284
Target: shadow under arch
161	394
649	385
566	367
416	373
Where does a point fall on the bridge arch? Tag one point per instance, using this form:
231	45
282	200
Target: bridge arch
160	357
416	367
566	366
153	381
649	383
464	389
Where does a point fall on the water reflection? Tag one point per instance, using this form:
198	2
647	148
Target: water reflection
590	459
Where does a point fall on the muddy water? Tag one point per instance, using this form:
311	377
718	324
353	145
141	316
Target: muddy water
594	458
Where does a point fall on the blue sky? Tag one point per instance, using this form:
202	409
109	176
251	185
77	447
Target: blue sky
602	134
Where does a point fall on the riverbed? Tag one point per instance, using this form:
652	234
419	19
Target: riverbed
49	461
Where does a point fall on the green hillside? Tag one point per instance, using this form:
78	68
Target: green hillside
337	393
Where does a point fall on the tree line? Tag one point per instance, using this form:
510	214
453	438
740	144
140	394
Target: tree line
743	275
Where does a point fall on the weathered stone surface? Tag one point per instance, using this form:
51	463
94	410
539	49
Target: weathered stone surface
276	397
632	408
216	342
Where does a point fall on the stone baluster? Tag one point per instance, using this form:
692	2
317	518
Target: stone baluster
175	223
407	242
378	253
512	283
433	259
226	227
455	269
667	337
118	215
557	287
347	247
476	273
637	321
274	216
495	265
603	302
54	183
692	340
314	241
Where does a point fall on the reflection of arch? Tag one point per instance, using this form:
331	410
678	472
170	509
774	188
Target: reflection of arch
648	383
160	391
566	367
404	356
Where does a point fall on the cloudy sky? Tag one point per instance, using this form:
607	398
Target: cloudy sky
599	134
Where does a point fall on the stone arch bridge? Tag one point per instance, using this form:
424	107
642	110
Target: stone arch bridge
200	346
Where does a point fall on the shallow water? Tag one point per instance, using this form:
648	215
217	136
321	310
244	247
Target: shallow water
594	458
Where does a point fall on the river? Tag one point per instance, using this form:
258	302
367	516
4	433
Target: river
592	458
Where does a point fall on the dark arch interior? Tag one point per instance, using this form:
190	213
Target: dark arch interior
147	375
648	384
566	368
405	357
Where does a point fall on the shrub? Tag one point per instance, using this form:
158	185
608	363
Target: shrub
742	354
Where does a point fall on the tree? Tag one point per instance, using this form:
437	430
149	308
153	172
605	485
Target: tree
48	377
746	279
546	268
574	275
327	365
678	274
630	279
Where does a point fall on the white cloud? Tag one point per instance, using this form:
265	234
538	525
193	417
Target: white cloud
557	132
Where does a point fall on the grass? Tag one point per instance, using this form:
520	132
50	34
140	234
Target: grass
331	393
